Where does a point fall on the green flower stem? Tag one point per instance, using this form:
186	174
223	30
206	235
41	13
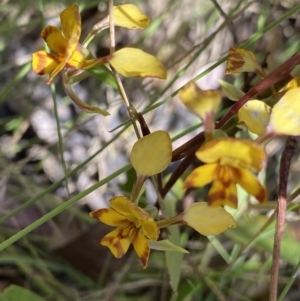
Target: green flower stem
61	208
137	186
77	76
60	139
170	221
96	29
127	103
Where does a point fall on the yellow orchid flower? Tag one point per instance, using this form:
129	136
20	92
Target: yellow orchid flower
64	43
242	60
134	225
228	161
68	53
204	103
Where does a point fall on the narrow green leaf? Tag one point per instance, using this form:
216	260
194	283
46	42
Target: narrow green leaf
14	293
105	75
248	227
232	92
165	245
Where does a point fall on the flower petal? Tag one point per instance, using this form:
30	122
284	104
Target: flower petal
56	71
255	114
285	116
121	205
208	220
246	152
77	59
108	216
241	60
71	22
54	39
201	102
71	27
133	62
141	247
249	183
43	62
129	16
117	243
223	193
201	176
157	148
150	229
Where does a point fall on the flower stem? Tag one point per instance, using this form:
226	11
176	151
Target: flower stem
285	162
111	27
137	186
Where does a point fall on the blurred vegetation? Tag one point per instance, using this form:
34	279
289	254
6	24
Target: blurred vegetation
50	245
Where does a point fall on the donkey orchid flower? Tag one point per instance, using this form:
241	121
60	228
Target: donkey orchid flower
228	161
134	225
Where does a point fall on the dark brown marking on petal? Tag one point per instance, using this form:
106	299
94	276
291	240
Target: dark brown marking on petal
224	175
261	196
119	249
189	183
235	61
98	213
232	201
213	197
116	243
235	55
145	256
220	199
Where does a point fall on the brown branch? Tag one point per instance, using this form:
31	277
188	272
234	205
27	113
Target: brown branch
285	162
277	75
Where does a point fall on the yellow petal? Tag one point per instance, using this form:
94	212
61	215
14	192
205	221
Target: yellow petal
54	39
285	116
140	215
77	59
130	16
222	193
141	247
133	62
56	71
241	60
108	216
208	220
150	229
294	83
245	152
249	183
121	205
255	114
71	28
71	22
152	154
199	101
117	244
201	176
43	62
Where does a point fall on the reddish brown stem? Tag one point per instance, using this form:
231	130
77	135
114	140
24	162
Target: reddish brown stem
285	162
271	79
282	72
144	127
